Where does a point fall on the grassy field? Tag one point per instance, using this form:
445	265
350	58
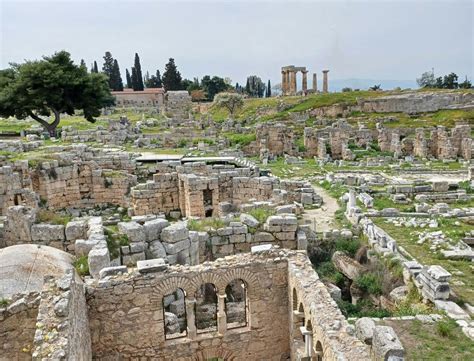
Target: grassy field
462	281
443	340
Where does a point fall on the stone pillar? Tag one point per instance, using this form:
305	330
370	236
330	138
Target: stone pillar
352	199
315	82
325	81
283	82
190	317
287	82
221	316
292	83
305	82
308	341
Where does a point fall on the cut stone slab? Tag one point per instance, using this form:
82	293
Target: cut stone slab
174	233
134	231
154	227
261	248
98	259
386	345
249	220
452	310
152	265
112	271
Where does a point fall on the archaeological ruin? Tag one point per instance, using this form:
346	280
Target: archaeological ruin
289	84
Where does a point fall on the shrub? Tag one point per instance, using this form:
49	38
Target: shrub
241	139
261	213
46	216
81	266
369	282
204	224
349	246
445	328
3	302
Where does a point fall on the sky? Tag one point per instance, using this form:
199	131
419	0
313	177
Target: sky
369	40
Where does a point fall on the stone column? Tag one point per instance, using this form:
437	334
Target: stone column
352	199
190	317
292	83
221	316
308	341
325	81
283	82
315	82
305	82
287	82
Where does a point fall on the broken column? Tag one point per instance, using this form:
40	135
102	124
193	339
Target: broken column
305	81
292	82
315	82
325	81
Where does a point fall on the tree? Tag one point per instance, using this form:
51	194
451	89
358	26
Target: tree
159	83
139	76
269	90
450	81
108	68
195	85
171	76
198	95
135	85
185	83
117	83
427	80
213	86
376	87
231	101
94	68
255	87
129	78
52	86
466	84
83	64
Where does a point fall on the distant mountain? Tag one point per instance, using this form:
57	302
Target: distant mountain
364	84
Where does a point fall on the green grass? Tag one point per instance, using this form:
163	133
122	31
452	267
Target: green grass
261	213
82	266
47	216
205	224
382	201
433	342
3	302
240	139
462	279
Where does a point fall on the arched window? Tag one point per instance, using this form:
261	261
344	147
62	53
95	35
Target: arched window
236	304
206	308
174	314
295	300
319	351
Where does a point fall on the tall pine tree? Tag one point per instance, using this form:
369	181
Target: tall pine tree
269	89
135	85
159	83
138	73
171	77
117	77
129	79
96	69
83	64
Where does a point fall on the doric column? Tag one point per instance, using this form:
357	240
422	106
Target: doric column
325	81
283	82
221	316
315	82
190	317
292	82
287	82
305	81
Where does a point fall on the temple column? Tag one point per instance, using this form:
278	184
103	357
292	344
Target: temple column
293	83
283	82
315	82
325	81
288	82
221	315
190	317
305	82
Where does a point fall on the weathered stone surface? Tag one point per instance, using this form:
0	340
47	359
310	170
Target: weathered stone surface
44	232
76	230
174	233
385	344
112	271
153	228
364	328
134	231
152	265
249	220
174	248
157	250
349	267
98	259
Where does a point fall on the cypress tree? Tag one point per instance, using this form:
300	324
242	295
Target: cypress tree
138	70
108	69
83	64
129	78
134	79
96	69
117	77
159	83
171	77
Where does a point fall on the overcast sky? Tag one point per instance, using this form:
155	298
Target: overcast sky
353	39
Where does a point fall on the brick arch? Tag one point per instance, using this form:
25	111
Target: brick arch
240	274
169	285
213	352
207	277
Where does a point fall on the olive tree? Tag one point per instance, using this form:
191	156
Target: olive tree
230	101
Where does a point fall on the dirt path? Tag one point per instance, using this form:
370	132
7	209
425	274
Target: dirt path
322	219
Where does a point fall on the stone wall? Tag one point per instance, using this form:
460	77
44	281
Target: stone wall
277	138
16	341
63	309
178	104
127	319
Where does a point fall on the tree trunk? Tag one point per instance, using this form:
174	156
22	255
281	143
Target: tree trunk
49	127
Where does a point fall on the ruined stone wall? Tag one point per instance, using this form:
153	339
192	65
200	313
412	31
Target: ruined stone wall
312	306
127	319
278	138
257	188
63	308
158	196
178	104
17	327
12	191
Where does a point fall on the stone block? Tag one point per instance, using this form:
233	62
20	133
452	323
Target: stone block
112	271
44	232
261	237
249	220
134	231
152	265
138	247
386	345
157	250
153	228
174	248
364	328
98	259
174	233
76	230
82	247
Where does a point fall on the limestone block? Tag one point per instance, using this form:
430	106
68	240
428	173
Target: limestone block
249	220
385	344
76	230
134	231
174	233
174	248
153	228
349	267
157	250
47	232
452	310
226	231
364	328
138	247
82	247
98	259
152	265
112	271
237	238
260	237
